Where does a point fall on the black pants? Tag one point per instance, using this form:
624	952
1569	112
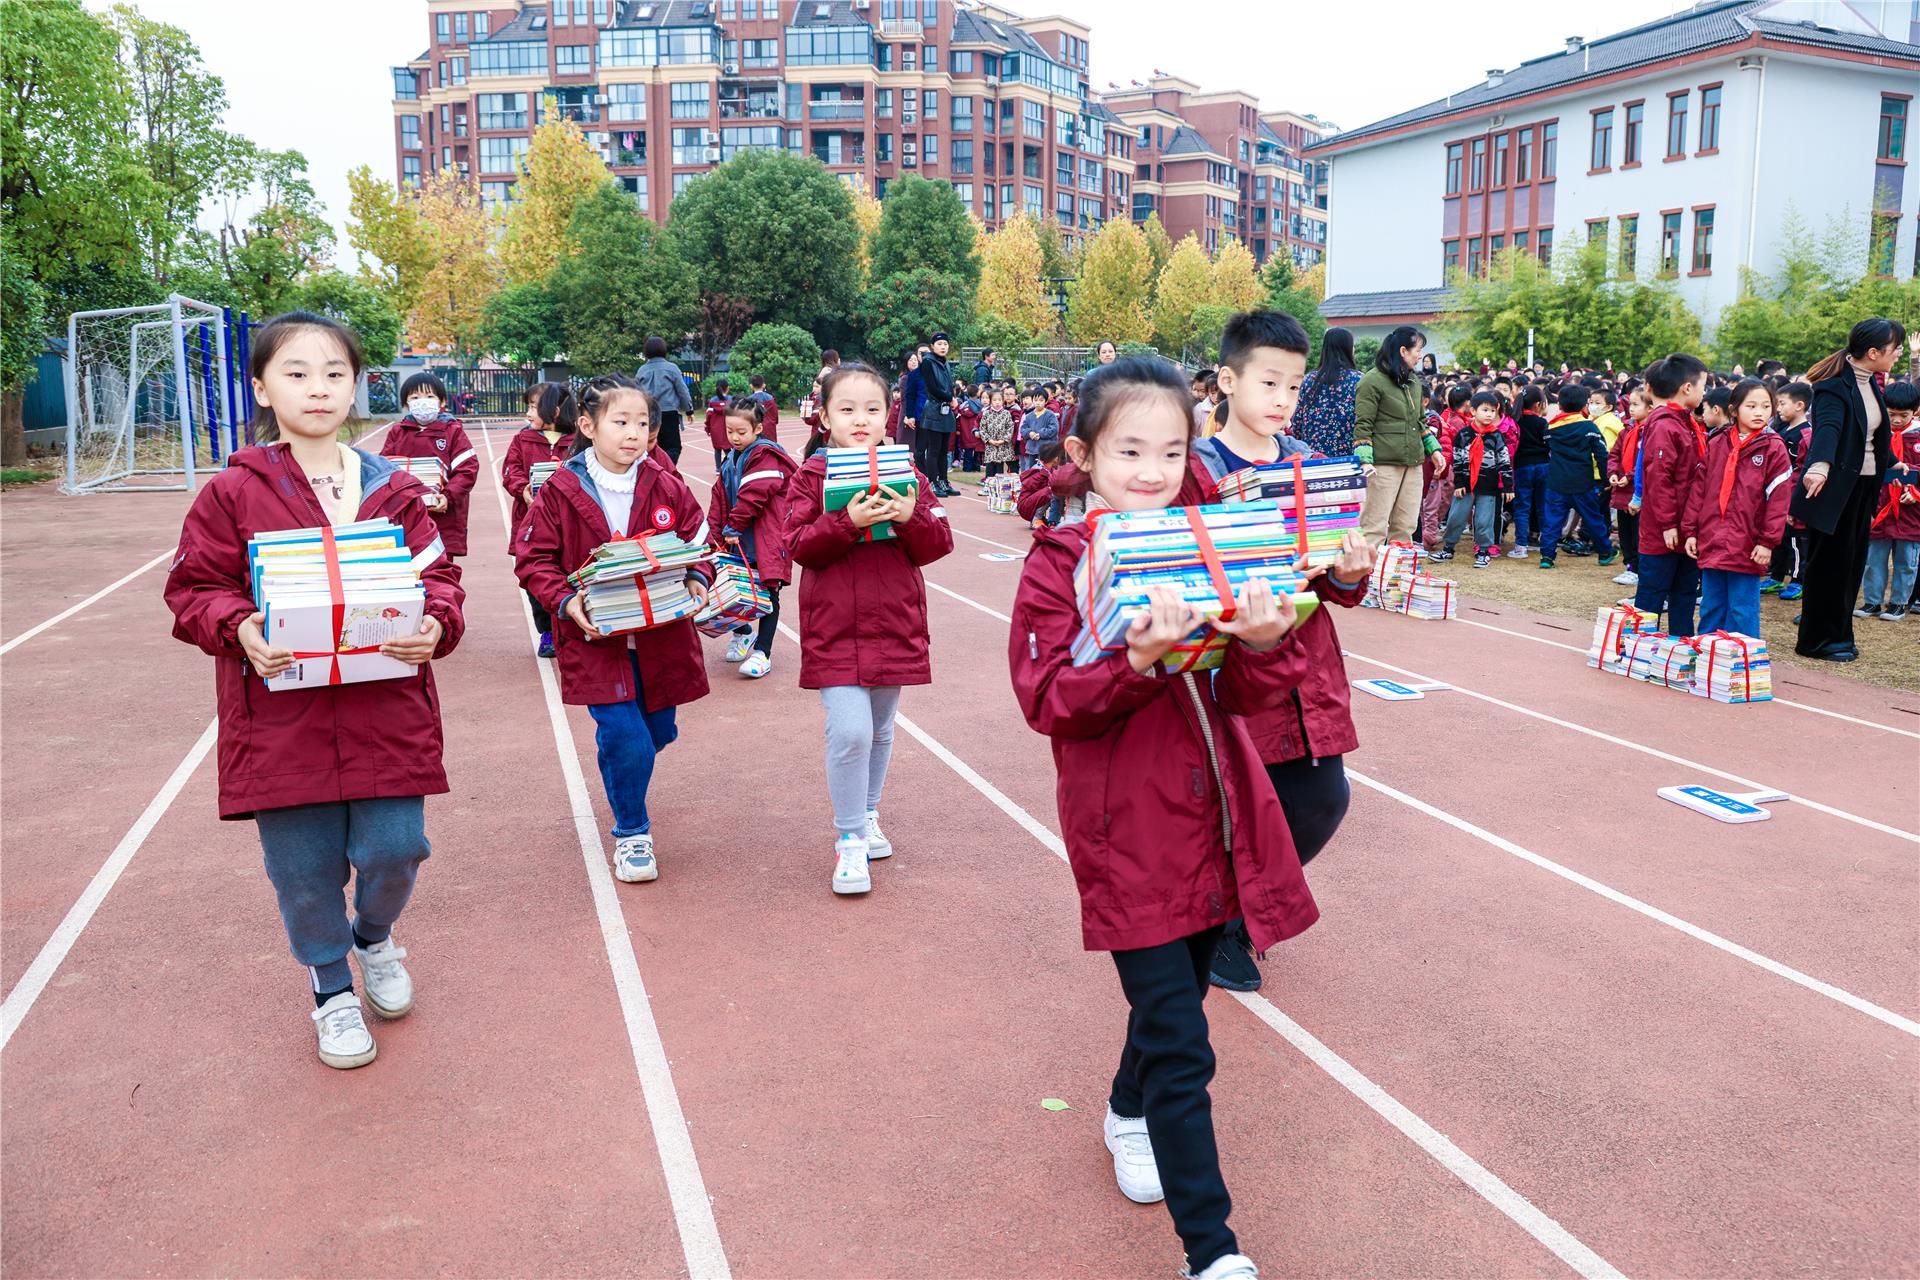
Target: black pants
542	620
763	640
1790	557
1314	795
1163	1076
670	434
930	453
1835	564
1629	537
995	468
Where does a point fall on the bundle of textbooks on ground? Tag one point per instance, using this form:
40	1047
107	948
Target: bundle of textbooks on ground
1613	626
1658	658
334	595
1721	665
1732	668
428	471
1001	491
852	473
736	598
1318	499
632	584
1397	585
540	473
1208	554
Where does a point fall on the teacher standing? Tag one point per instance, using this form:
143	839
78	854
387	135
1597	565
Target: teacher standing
1391	438
1840	487
661	378
933	440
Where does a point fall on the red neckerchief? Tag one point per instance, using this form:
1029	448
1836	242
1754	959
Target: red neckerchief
1629	448
1734	451
1474	453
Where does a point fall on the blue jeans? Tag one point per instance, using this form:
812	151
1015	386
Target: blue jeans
1729	601
629	737
1904	560
1529	503
1669	583
310	850
1485	508
1592	510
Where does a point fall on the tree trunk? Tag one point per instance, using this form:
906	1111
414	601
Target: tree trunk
13	429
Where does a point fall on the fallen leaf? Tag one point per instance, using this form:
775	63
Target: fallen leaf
1054	1104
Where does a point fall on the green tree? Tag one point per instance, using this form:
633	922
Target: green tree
924	225
1285	292
1184	284
522	324
1006	337
1111	299
1055	262
391	241
22	338
558	171
265	254
1159	243
358	305
776	230
784	354
622	282
1800	313
910	307
1209	322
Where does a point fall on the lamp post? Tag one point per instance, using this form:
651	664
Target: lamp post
1057	289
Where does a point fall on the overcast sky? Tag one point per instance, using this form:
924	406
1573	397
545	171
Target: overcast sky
313	75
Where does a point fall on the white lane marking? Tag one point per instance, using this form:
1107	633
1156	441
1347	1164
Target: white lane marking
1644	749
1777	700
692	1209
990	542
1607	891
973	604
1694	931
101	594
20	1000
1478	1178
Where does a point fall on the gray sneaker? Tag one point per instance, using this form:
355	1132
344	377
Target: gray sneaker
633	860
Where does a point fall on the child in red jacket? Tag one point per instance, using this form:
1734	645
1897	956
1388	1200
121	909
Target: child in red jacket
429	432
1738	511
747	514
323	813
630	682
1169	822
1672	446
717	420
863	614
547	437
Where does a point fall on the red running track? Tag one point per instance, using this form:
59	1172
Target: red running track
1725	1088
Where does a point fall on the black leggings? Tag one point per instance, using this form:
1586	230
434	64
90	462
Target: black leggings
670	434
542	620
769	623
1314	794
930	454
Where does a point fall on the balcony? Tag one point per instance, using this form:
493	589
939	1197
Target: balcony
901	28
842	109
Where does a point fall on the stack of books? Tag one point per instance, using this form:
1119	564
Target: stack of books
631	584
428	471
1323	495
1732	668
1208	557
853	472
334	596
1614	626
1398	586
1658	658
539	474
1001	491
736	598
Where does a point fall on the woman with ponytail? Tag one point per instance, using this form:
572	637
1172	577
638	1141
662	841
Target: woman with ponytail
1849	452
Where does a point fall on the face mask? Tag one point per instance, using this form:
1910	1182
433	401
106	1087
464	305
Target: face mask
424	408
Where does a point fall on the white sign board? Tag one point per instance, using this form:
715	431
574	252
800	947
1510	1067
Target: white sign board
1394	691
1723	806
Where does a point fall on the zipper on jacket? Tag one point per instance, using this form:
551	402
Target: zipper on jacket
1213	759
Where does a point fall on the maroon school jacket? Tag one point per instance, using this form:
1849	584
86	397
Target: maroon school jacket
863	605
1756	513
1140	809
659	455
967	422
759	511
1670	449
717	424
363	741
1621	458
527	447
1036	491
566	524
446	439
1896	520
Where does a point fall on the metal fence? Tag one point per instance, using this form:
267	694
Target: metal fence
1040	364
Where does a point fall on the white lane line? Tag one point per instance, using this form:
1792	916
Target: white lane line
1694	931
1482	1181
1607	891
990	542
101	594
692	1209
1777	699
970	603
1644	749
20	1000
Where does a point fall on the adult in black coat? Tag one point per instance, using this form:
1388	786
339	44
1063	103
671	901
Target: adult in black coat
933	438
1833	497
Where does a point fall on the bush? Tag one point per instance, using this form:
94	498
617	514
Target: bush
784	354
1365	351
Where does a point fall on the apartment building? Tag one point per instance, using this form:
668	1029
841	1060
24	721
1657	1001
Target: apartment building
994	103
1215	165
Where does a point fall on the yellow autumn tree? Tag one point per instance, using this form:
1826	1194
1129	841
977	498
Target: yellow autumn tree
389	238
558	171
1159	243
1313	282
1011	285
866	216
1112	299
1185	285
464	273
1236	280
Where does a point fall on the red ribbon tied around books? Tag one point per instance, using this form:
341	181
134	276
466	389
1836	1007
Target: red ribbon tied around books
1210	557
1707	645
337	592
1621	619
1299	506
653	561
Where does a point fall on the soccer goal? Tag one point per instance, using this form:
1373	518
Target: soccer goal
148	394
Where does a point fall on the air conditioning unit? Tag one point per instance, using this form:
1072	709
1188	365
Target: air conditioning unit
731	68
599	99
863	5
713	139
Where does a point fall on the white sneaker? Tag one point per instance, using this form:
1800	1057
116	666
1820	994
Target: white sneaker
389	989
633	860
1518	553
878	846
1133	1164
756	665
739	647
345	1041
1627	578
1235	1266
850	871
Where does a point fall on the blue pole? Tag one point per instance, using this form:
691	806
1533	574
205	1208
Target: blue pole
207	390
246	362
233	372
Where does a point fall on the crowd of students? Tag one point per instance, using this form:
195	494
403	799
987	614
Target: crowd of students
1188	803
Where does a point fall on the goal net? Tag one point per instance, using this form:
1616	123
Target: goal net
147	396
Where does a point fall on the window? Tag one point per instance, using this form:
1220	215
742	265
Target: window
573	60
1006	201
883	144
1893	127
627	102
1670	242
930	149
627	147
1066	129
1033	119
496	194
1519	242
510	58
1602	158
962	155
410	170
883	102
501	155
505	110
442	33
1635	129
480	22
406	85
1034	200
1523	156
960	62
459	28
962	111
1676	125
1703	241
1880	243
883	57
1549	150
579	12
1501	144
929	57
689	147
1596	230
657	46
963	192
760	137
680	181
410	133
1063	208
1543	248
1709	119
458	69
1473	257
1062	169
1454	150
760	53
1629	243
929	104
1477	166
560	13
600	14
1449	257
691	100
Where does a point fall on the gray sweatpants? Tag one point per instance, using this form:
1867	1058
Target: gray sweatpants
310	850
859	744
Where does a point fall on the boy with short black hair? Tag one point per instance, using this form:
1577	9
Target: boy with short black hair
1894	549
1038	428
1575	452
1482	472
1792	403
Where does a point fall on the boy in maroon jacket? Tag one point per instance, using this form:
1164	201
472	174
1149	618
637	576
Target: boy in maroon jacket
428	431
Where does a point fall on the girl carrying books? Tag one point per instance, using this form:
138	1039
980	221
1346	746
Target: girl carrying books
863	613
1738	512
747	515
334	777
547	437
630	682
1170	824
429	431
